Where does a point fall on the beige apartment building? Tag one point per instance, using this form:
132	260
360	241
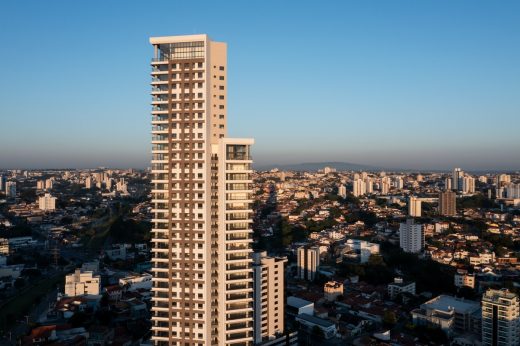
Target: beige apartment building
201	198
81	283
269	300
500	318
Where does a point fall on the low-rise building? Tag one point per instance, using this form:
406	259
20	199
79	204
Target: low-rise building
448	313
400	286
310	322
81	283
332	290
463	279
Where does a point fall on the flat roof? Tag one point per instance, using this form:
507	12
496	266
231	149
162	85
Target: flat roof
443	302
315	320
179	38
298	302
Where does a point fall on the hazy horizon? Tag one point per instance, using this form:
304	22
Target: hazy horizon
408	85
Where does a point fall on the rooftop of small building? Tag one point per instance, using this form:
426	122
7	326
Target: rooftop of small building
444	302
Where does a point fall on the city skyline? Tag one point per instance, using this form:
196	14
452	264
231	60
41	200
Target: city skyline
426	87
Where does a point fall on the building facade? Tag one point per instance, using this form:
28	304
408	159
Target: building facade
414	207
500	318
81	283
201	200
447	203
411	236
47	202
269	296
308	262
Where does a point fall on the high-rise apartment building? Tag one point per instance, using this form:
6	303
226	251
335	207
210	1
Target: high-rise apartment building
342	191
500	318
2	182
10	189
201	200
448	183
468	184
399	183
411	236
385	185
308	262
414	207
47	202
369	185
448	203
358	187
456	179
269	296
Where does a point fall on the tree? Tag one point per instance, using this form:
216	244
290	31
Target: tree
19	283
317	331
389	318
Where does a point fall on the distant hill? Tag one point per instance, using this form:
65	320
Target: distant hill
315	166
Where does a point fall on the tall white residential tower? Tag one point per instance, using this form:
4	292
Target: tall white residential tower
201	198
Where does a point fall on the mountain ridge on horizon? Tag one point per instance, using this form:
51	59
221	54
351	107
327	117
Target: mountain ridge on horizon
350	166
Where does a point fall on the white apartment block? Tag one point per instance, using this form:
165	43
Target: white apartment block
201	199
358	187
80	283
463	279
500	318
308	262
364	248
400	286
411	236
414	207
269	297
47	202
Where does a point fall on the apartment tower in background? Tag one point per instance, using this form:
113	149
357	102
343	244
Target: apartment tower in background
201	199
447	203
414	207
308	262
411	236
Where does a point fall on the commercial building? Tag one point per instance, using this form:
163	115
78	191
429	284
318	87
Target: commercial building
201	200
414	207
269	296
500	318
447	203
47	202
411	236
80	283
308	262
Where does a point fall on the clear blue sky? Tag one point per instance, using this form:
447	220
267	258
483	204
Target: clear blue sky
412	84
